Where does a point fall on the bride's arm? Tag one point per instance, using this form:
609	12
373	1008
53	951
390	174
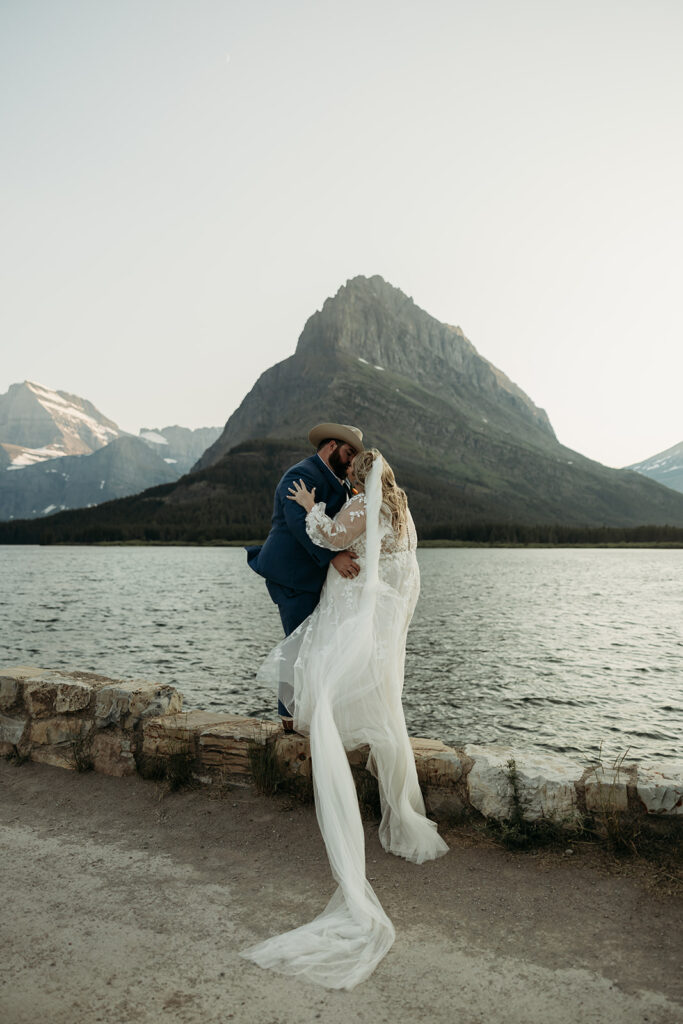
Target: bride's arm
338	533
335	534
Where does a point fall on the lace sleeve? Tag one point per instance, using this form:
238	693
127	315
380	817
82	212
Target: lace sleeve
338	533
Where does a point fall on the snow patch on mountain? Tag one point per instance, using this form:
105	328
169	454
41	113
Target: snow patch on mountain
38	423
665	467
70	415
153	437
29	456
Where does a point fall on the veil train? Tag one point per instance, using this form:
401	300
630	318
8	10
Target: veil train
347	676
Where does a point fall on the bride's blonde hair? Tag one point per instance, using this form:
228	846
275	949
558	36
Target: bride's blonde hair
392	495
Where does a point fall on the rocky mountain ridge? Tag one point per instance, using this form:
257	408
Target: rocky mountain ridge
471	449
37	423
122	467
665	467
57	452
468	441
179	446
367	330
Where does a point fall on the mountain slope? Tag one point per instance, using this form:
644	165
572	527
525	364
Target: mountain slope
666	467
125	466
467	444
37	423
179	446
232	501
468	440
50	445
371	330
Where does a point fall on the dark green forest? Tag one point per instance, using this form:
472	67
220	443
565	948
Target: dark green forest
231	502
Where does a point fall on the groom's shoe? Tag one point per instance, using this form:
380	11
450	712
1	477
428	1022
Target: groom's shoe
288	728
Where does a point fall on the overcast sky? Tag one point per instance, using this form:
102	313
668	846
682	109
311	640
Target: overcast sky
186	181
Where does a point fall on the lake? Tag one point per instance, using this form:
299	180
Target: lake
571	650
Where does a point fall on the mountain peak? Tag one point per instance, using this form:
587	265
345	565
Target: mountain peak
363	317
38	423
377	324
370	328
375	287
665	467
370	317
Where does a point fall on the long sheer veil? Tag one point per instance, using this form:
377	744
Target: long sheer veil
346	663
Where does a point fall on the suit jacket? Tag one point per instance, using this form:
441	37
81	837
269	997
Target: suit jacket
288	557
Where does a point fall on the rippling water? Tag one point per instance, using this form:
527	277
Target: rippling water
561	649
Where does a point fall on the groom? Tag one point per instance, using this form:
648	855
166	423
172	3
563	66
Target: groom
293	566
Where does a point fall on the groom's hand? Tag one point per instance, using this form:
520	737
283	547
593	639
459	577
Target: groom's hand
346	564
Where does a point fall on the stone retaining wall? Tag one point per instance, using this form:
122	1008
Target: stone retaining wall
118	727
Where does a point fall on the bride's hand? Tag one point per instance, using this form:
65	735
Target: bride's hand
301	496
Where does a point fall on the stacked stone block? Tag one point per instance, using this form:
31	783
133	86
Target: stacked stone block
72	719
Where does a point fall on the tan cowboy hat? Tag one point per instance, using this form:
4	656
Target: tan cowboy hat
340	432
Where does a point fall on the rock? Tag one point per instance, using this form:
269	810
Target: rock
294	754
69	719
11	732
72	697
661	792
55	692
61	707
438	765
546	784
444	804
607	790
11	689
164	734
173	738
9	694
439	769
48	731
112	753
224	747
126	702
52	740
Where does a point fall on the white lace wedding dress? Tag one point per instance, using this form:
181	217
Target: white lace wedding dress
341	673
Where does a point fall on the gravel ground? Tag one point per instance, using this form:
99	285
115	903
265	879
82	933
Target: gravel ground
125	903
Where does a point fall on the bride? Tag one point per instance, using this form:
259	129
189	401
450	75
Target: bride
341	674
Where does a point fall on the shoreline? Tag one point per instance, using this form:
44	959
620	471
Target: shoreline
666	545
81	720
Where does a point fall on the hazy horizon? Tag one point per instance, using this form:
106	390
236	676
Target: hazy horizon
186	184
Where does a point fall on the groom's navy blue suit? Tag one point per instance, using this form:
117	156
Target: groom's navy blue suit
293	566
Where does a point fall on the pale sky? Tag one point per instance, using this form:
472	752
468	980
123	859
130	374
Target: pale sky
184	182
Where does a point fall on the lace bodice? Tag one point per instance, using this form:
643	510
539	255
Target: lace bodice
347	529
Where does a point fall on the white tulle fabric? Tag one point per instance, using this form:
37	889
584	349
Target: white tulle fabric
342	671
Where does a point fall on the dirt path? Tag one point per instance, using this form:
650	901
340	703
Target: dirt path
125	904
